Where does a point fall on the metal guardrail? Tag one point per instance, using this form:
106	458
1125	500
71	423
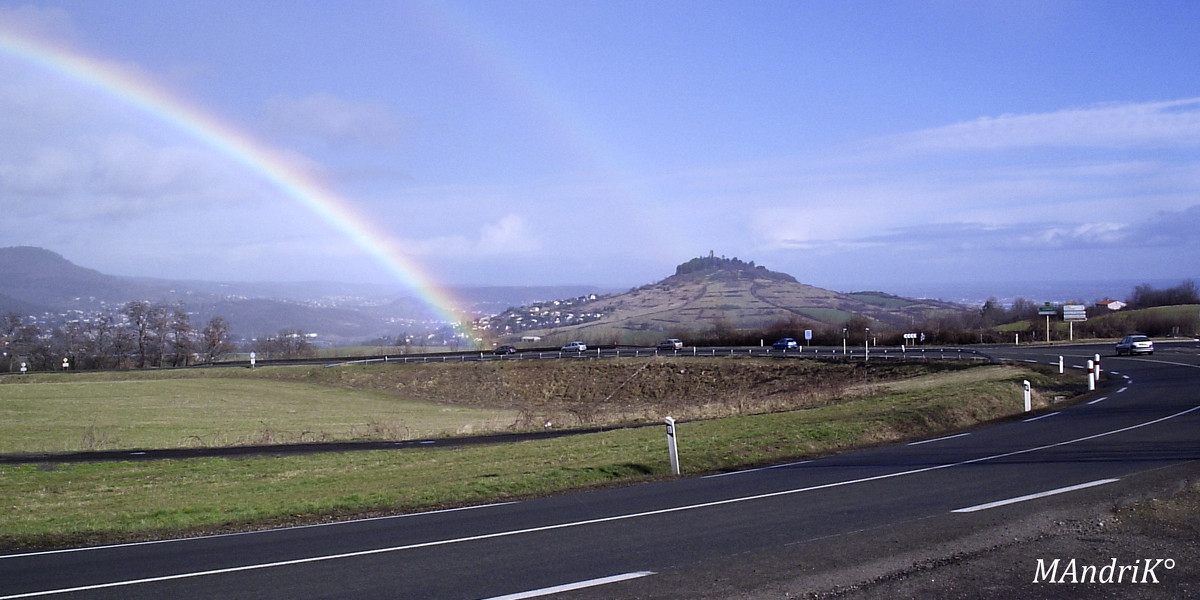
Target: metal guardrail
820	353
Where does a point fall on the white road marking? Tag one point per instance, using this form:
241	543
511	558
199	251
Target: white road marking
1032	419
791	464
249	533
1122	389
948	437
574	586
1064	490
610	519
1100	399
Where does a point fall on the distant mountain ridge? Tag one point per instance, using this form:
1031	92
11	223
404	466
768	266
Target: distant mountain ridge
43	278
35	282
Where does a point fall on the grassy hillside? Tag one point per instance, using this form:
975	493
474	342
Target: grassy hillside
710	295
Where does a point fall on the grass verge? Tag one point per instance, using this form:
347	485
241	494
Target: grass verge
57	505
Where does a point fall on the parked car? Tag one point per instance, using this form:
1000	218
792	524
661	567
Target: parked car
575	347
1135	344
670	344
785	344
505	350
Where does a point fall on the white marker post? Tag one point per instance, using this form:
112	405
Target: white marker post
1091	376
672	447
1060	364
1097	367
1028	397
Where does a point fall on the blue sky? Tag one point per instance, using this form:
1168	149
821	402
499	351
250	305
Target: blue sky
854	145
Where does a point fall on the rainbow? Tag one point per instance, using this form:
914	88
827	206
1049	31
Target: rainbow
132	89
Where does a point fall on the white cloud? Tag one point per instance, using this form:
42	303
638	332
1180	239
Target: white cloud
509	236
1173	123
333	120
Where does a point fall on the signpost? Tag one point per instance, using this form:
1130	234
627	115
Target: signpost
1047	311
1073	313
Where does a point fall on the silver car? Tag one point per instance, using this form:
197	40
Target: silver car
1135	344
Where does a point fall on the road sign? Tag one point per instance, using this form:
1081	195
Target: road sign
1047	311
1074	312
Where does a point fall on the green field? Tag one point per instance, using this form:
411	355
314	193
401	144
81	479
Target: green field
45	505
221	407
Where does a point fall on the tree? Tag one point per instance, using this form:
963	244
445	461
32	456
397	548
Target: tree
180	340
138	313
215	339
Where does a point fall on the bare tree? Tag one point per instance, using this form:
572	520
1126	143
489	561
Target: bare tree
215	339
180	334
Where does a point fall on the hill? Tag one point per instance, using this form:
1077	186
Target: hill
43	288
705	294
41	278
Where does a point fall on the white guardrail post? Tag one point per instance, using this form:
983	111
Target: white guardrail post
672	447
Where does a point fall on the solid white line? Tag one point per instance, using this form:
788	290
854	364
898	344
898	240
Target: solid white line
1064	490
249	533
573	586
948	437
611	519
1032	419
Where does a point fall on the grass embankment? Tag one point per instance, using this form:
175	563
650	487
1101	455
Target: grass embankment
49	505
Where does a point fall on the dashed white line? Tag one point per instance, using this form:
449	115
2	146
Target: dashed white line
1032	419
1063	490
574	586
1100	399
948	437
743	471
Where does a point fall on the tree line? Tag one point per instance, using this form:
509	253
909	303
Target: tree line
137	336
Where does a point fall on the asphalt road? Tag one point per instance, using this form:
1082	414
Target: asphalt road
731	535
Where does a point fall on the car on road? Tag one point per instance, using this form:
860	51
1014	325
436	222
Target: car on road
505	350
670	344
785	344
575	347
1135	344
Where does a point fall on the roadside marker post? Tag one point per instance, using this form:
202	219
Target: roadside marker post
672	447
1060	364
1097	367
1091	375
1028	397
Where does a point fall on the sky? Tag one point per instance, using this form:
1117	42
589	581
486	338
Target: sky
854	145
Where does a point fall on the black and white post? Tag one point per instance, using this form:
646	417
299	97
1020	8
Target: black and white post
1028	397
672	447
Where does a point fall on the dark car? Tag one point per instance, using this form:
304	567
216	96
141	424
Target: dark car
505	350
1135	344
785	344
